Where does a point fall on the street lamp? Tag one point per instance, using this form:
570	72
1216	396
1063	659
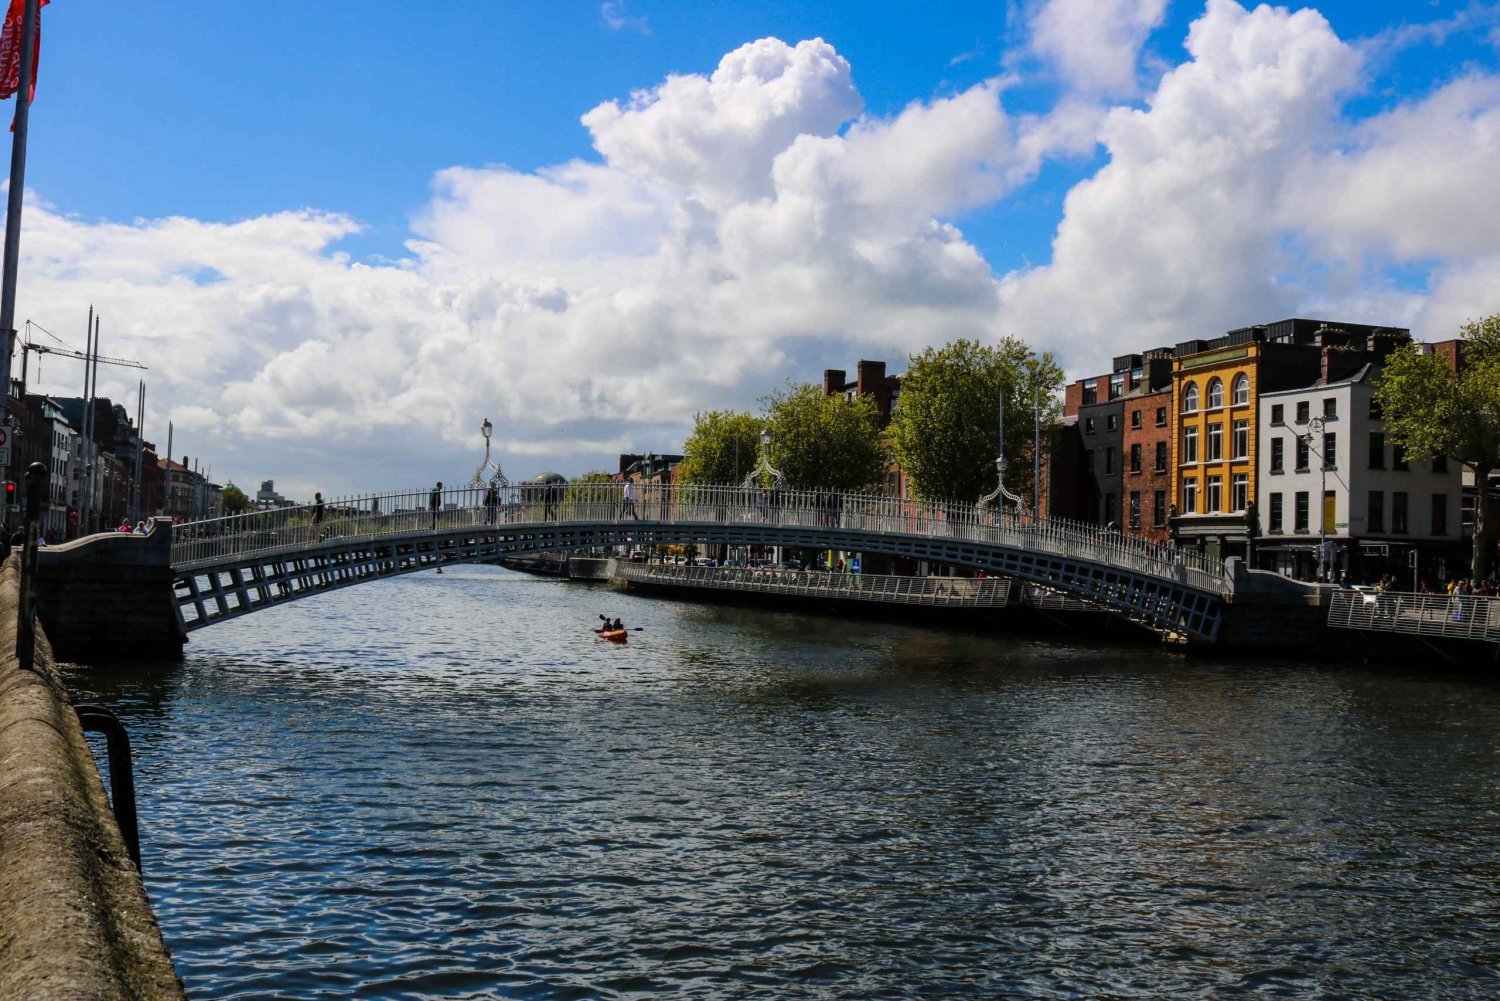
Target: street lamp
1315	428
498	478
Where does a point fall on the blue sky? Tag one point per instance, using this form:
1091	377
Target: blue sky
415	172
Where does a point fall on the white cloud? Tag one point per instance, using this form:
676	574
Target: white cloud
616	18
1095	44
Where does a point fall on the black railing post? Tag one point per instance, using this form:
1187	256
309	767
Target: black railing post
97	719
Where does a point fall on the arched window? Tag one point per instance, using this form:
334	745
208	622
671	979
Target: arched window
1215	394
1190	398
1241	389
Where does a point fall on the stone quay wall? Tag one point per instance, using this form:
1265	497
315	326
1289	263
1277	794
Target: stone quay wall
75	922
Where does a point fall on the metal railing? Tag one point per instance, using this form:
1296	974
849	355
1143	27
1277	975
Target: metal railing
1459	616
286	530
962	592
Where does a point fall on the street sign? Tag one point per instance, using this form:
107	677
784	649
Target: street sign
4	445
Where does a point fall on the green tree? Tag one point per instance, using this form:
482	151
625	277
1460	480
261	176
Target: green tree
592	488
1431	410
723	448
234	499
944	431
822	440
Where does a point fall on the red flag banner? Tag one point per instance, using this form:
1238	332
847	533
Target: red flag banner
10	49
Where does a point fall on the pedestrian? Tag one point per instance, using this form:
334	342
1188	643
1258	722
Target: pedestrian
627	502
124	525
491	503
140	528
317	513
435	502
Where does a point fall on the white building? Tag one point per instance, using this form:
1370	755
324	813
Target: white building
60	487
1335	494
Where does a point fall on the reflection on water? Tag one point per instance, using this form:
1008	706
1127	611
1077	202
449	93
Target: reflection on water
445	786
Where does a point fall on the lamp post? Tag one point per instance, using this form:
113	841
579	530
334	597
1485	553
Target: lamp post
1315	428
478	480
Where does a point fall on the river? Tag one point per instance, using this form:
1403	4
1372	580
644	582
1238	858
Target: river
445	786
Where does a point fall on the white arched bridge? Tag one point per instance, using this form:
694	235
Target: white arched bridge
232	566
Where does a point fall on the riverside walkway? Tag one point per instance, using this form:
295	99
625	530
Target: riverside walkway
1465	617
233	566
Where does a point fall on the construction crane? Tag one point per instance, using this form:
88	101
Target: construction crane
66	352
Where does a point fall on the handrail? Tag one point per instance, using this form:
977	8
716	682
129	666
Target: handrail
284	530
966	592
1459	616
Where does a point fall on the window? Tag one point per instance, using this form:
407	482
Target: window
1090	394
1375	512
1299	513
1302	451
1398	458
1330	408
1135	420
1190	445
1275	527
1111	422
1135	509
1330	451
1439	463
1088	425
1135	458
1241	389
1377	450
1190	398
1439	514
1214	501
1215	394
1239	491
1215	442
1161	417
1109	459
1278	414
1189	496
1398	512
1278	455
1239	444
1117	385
1159	508
1303	411
1161	457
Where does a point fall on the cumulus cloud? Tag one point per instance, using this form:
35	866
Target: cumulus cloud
754	223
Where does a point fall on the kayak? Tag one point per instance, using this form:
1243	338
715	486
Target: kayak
613	635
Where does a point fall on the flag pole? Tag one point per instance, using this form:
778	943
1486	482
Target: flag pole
17	190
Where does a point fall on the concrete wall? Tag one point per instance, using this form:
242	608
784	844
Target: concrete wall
74	918
104	594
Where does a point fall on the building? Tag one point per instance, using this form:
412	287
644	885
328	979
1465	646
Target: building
870	380
1337	500
1217	386
1147	448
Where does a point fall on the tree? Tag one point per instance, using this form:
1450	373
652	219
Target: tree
234	500
945	429
822	440
1432	410
722	449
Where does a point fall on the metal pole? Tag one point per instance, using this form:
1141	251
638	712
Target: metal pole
140	449
14	199
1036	463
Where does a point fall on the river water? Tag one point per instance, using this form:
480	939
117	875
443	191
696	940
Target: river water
445	786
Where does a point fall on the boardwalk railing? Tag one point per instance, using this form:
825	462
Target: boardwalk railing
1459	616
952	592
287	530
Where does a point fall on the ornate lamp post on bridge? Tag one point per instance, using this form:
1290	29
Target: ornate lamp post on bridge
498	478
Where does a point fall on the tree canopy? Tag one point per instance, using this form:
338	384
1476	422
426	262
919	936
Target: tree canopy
825	440
1432	410
723	447
234	499
945	428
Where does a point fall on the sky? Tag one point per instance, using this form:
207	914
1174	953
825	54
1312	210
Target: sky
341	235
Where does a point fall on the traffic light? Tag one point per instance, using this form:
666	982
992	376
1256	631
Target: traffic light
10	492
73	516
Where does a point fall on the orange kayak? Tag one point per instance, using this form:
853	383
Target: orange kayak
613	635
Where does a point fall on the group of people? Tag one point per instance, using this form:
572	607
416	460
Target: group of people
139	528
609	625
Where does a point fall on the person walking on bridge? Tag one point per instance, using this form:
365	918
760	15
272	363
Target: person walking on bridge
627	503
491	503
435	502
317	515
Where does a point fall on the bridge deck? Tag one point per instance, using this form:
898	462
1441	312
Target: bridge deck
1471	617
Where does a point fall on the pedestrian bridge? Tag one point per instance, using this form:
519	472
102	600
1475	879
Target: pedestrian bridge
228	567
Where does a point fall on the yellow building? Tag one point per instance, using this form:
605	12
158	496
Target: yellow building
1216	387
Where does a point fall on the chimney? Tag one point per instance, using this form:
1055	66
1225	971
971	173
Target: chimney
833	381
870	375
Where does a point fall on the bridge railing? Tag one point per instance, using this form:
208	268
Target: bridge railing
964	592
202	543
1457	616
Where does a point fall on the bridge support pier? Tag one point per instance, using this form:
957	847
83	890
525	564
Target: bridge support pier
109	598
